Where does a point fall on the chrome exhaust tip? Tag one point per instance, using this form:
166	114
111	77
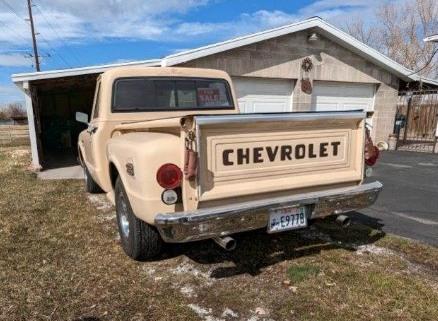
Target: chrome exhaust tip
343	220
227	242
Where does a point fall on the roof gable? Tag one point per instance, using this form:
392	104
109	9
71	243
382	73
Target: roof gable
326	29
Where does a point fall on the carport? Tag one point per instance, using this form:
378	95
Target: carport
52	99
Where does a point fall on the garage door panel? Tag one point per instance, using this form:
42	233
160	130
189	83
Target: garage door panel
261	107
325	106
342	96
257	95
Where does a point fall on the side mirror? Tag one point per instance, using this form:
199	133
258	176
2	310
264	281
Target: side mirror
82	117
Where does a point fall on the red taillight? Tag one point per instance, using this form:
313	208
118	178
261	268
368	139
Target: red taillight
371	151
169	176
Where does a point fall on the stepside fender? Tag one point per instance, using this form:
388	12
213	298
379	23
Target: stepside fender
137	156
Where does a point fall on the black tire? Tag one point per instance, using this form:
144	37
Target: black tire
140	241
90	185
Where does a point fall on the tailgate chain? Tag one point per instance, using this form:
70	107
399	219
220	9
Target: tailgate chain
190	156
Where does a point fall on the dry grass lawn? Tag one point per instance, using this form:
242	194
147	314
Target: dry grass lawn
60	259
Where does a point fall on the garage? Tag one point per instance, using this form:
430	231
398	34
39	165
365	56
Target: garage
257	95
329	96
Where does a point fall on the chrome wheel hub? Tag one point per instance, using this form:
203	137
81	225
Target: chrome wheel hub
124	222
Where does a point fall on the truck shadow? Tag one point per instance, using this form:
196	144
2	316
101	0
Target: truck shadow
257	250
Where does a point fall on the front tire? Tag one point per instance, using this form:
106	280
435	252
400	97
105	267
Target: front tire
90	185
139	240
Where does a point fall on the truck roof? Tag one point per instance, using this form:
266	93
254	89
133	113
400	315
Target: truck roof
133	71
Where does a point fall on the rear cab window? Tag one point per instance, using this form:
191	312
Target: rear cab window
142	94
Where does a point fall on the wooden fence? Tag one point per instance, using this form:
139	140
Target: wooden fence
416	121
14	134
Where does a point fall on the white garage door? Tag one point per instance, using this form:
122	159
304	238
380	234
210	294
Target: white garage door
342	96
257	95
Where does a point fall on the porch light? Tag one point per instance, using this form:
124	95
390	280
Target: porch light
313	37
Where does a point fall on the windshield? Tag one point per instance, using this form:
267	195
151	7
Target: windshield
167	94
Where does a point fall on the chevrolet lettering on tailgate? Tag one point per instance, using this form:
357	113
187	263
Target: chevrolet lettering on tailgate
241	156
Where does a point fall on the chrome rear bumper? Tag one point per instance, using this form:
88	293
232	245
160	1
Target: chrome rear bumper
224	220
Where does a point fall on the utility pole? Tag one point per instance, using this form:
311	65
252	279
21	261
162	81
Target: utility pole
32	29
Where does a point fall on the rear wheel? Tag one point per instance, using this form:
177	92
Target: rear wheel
139	240
90	185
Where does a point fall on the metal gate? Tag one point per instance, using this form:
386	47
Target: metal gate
416	121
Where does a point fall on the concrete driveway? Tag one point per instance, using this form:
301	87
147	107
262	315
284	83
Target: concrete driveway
408	205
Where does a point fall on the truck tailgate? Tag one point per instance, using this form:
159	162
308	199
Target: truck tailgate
258	153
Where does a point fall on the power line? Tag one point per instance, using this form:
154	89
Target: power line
34	34
55	51
14	32
11	9
427	63
56	33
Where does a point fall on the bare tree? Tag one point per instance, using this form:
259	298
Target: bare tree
363	32
398	32
15	110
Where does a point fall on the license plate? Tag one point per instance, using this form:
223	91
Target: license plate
287	218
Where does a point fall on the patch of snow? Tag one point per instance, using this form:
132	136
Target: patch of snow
229	313
100	202
188	268
200	311
187	291
107	217
204	313
373	249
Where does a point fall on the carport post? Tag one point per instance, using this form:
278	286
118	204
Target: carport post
31	121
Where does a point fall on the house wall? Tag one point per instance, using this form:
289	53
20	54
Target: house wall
281	58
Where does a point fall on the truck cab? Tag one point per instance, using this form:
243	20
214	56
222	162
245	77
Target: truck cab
171	151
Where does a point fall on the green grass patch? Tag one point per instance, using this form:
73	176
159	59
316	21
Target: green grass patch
302	272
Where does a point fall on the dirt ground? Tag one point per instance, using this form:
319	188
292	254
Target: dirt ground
60	259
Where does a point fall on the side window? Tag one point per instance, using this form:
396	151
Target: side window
96	102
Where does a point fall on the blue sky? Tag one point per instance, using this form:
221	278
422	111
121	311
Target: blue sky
74	33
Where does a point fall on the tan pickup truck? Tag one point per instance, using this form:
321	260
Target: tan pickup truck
179	162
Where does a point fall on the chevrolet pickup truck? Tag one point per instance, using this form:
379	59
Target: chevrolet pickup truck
171	151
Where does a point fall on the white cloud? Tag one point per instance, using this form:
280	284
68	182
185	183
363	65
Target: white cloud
61	22
337	12
66	21
14	60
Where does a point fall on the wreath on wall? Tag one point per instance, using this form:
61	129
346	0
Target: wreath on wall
307	64
306	83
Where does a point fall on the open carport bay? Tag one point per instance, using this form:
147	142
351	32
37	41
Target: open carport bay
57	130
